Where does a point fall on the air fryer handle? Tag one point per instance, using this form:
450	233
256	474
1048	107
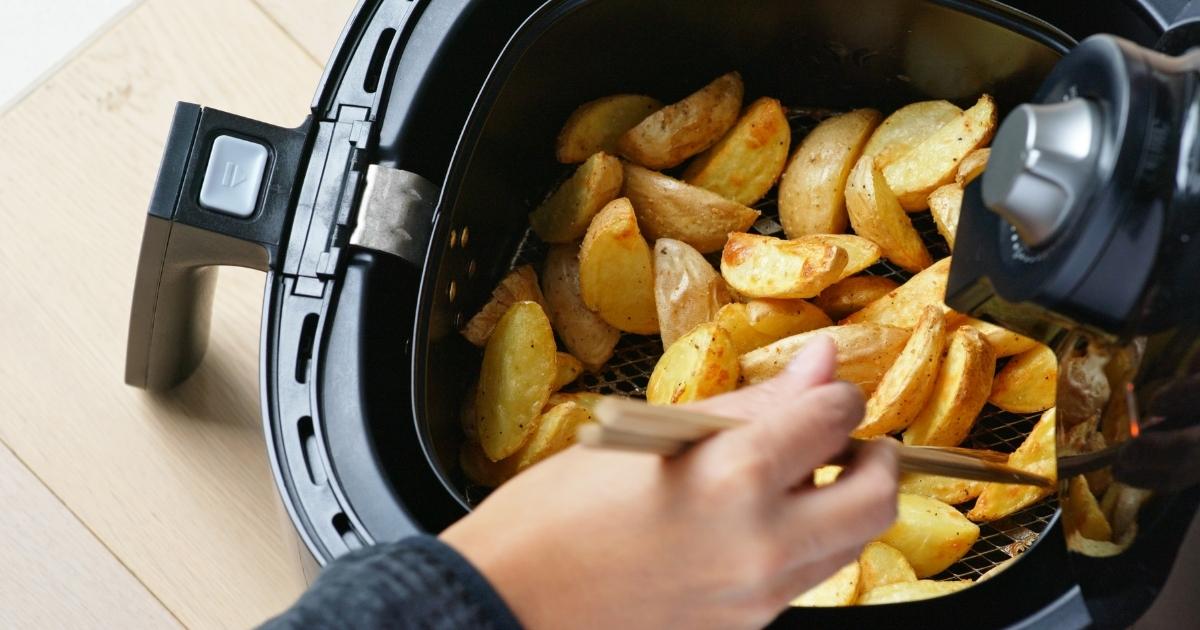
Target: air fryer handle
221	198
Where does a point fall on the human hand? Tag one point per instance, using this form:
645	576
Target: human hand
722	536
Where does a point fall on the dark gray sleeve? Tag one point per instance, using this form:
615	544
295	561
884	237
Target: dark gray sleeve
418	582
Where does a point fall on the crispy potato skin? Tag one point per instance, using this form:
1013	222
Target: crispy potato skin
568	368
669	208
768	267
907	384
945	204
1082	513
840	589
519	366
902	307
519	285
860	252
616	271
1036	455
596	125
972	166
875	213
945	489
1004	342
699	365
678	131
1027	383
930	534
961	390
934	162
587	336
566	214
1083	388
749	159
912	591
864	353
687	290
883	564
812	190
555	432
847	296
907	127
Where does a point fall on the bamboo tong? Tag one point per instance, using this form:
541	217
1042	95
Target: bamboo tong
632	425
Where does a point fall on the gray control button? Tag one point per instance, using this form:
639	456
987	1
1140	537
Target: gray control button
234	176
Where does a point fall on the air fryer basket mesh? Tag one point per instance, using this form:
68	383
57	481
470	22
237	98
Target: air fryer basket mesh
628	372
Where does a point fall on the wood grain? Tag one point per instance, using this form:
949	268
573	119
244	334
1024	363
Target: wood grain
55	573
314	24
176	485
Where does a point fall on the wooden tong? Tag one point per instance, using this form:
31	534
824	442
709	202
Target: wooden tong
632	425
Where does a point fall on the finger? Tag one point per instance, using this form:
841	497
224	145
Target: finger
795	582
814	365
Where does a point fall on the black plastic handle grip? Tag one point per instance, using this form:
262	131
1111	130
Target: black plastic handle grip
184	242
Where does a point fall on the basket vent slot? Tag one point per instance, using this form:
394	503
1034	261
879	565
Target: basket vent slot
308	333
341	523
312	454
382	45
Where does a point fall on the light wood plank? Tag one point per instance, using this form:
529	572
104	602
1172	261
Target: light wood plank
176	485
55	573
315	24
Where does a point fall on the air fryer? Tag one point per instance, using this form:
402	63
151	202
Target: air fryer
386	218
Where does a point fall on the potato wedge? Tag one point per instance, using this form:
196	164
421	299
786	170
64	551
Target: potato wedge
948	490
669	208
1004	342
587	336
749	159
847	296
907	384
882	564
972	166
1036	455
698	365
1027	383
568	368
934	162
864	353
565	215
680	130
930	534
769	267
903	306
907	127
616	271
860	252
596	125
736	321
777	319
1081	511
482	471
587	400
961	390
945	204
687	290
997	569
911	591
555	432
519	366
1083	388
812	197
520	284
839	589
876	214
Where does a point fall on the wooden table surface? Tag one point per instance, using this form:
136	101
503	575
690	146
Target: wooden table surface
123	509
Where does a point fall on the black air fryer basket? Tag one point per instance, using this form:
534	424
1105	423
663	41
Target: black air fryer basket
386	218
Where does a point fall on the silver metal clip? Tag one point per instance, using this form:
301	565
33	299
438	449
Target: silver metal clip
396	213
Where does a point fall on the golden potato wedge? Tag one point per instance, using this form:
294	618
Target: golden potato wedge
1004	342
777	319
911	591
1083	388
882	564
555	431
746	162
907	384
669	208
860	252
864	353
680	130
568	369
839	589
596	125
687	290
587	336
851	294
876	214
698	365
483	471
812	198
587	400
930	534
520	284
945	204
519	366
565	215
948	490
961	390
934	162
1036	455
769	267
1082	513
972	166
902	307
735	320
1027	383
616	271
907	127
1096	548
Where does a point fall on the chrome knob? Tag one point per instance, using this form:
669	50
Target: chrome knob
1043	161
